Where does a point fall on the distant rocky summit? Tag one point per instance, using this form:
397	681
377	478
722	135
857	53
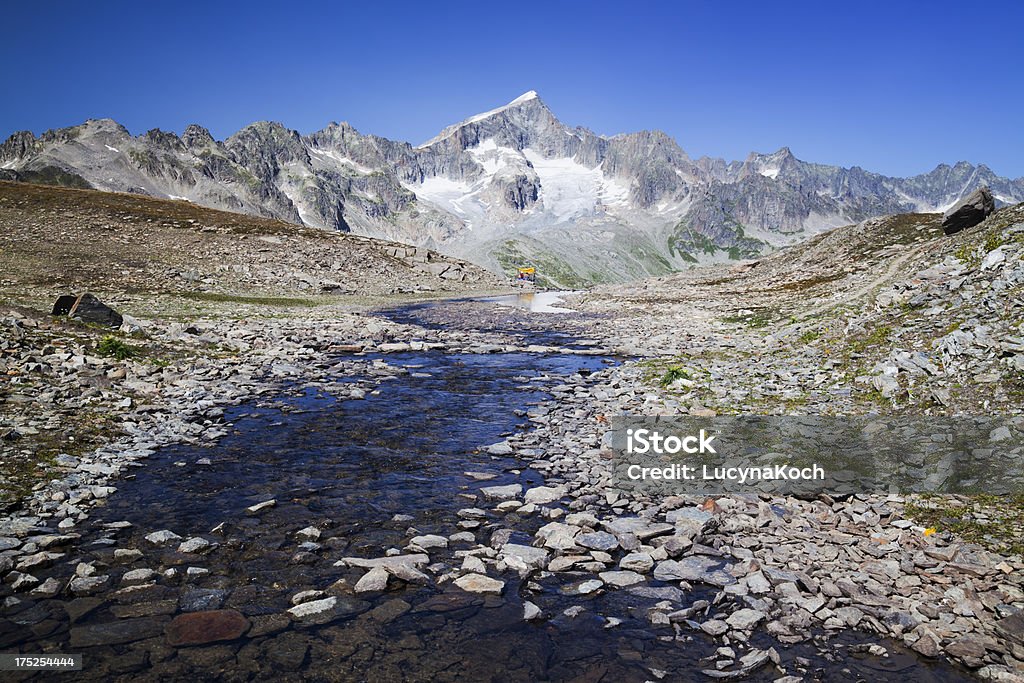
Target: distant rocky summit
508	187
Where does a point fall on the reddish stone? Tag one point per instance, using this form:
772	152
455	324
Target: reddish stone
199	628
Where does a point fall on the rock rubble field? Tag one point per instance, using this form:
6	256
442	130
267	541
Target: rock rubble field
890	316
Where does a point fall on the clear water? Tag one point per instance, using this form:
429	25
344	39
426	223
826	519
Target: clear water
348	467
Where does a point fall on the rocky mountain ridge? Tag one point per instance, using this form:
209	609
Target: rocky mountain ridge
508	187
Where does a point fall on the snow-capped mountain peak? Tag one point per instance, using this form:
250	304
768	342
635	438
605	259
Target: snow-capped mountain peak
528	96
510	186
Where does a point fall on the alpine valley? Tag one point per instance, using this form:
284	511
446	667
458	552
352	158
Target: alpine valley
511	186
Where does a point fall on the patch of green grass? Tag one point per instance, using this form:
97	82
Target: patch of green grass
809	336
81	432
875	397
972	253
965	253
650	258
876	337
551	270
112	347
993	240
217	297
759	318
686	241
1002	530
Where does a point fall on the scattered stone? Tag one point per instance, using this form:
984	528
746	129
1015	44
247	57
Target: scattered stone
542	495
637	562
597	540
714	627
427	542
478	583
87	585
527	556
87	308
531	611
196	544
501	448
163	537
137	576
745	619
47	589
319	612
260	507
620	579
695	568
506	492
374	580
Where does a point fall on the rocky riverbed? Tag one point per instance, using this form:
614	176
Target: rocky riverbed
232	549
419	492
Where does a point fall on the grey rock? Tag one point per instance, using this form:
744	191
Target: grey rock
695	568
478	583
87	585
373	581
327	610
162	537
621	579
542	495
137	576
597	540
507	492
714	627
745	619
202	599
196	544
528	555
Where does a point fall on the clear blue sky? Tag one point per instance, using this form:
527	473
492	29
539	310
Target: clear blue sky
894	87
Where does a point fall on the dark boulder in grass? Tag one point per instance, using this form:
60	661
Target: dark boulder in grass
969	211
88	309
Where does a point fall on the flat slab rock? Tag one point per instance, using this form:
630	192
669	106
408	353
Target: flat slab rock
318	612
116	632
200	628
533	557
641	528
697	568
621	578
392	561
478	583
507	492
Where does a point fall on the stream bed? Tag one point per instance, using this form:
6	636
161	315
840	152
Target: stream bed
359	478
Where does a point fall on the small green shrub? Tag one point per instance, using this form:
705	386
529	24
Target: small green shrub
112	347
673	373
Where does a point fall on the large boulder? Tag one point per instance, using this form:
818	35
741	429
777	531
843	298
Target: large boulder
88	309
969	211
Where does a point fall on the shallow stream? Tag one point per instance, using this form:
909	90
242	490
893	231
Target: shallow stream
368	475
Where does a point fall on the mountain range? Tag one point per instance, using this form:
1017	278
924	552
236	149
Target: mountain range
512	186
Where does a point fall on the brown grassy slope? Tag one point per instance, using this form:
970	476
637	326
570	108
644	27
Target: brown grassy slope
56	239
